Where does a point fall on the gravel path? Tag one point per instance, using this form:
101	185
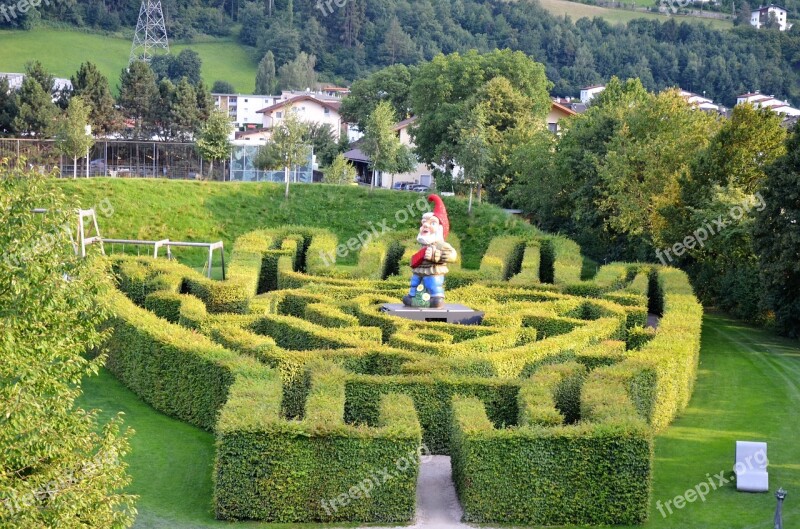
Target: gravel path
437	504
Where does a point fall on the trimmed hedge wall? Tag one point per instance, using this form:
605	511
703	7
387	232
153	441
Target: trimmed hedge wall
178	372
548	407
318	469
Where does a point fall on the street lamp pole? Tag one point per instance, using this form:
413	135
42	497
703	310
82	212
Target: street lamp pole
88	130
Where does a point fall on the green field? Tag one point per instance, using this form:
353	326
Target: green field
577	10
211	211
747	389
63	51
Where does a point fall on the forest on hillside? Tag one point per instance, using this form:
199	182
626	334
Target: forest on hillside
361	36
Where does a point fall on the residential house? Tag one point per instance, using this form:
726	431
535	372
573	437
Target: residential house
558	112
759	100
310	108
588	92
420	175
760	17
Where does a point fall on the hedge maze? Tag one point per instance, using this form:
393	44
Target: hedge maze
319	402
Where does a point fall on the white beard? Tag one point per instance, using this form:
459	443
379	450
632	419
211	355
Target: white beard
427	240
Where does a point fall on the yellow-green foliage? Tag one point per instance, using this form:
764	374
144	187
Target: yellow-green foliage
548	407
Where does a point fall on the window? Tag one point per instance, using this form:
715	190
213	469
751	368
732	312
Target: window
327	111
552	127
279	115
245	100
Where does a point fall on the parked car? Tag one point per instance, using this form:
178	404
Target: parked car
97	166
399	186
419	188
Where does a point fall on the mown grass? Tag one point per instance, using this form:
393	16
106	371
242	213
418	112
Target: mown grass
576	10
62	52
153	209
748	388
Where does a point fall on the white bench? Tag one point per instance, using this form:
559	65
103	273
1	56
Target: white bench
751	466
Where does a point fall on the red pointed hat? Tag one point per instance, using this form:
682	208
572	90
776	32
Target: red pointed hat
440	213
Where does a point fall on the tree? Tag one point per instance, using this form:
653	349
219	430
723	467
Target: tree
214	141
777	239
92	86
59	467
392	84
340	172
8	108
381	143
186	64
36	110
205	103
298	74
287	148
183	111
72	137
45	79
443	87
266	81
321	138
398	46
743	16
223	87
473	150
137	95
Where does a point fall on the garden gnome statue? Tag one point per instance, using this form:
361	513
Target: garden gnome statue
429	264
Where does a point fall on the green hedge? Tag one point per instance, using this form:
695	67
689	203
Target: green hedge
318	469
584	474
178	372
558	390
432	395
503	258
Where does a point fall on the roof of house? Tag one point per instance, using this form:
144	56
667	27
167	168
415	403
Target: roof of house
400	125
333	105
767	8
593	86
356	155
557	106
751	94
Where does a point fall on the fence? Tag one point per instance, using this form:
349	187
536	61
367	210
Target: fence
127	159
146	159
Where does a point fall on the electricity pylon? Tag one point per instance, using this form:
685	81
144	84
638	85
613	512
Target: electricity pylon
151	33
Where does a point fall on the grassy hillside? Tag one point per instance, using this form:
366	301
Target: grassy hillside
210	211
62	53
577	10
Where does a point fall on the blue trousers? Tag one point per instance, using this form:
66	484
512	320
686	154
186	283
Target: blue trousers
433	284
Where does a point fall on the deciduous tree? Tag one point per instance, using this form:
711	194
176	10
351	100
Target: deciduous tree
60	467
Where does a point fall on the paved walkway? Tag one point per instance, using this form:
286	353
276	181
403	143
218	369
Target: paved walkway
437	504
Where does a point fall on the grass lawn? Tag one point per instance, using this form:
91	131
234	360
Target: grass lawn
62	52
154	209
577	10
748	388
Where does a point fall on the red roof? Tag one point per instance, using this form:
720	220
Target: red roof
568	111
333	105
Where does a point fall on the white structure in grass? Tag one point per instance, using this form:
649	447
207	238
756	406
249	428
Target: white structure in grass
751	466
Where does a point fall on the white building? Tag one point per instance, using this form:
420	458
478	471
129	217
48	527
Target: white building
703	103
759	100
15	81
588	93
243	108
760	17
310	108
